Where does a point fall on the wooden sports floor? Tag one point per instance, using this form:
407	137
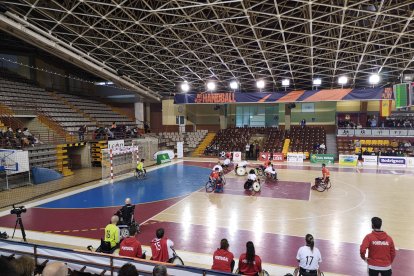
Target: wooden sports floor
276	219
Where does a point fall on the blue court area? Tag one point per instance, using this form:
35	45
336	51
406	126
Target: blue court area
163	183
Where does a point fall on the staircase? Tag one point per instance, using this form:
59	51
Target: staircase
204	144
63	160
331	147
44	133
286	146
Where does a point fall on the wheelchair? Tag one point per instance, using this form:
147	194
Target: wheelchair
296	273
140	174
104	247
271	176
260	171
241	171
321	185
175	259
124	225
250	185
213	185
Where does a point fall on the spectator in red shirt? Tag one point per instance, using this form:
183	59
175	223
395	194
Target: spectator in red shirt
249	263
161	247
223	259
131	247
381	250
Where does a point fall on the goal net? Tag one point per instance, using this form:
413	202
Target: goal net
122	160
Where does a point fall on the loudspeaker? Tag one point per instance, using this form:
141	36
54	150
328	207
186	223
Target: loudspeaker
291	105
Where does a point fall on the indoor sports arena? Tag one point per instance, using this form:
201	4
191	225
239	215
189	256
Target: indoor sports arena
211	137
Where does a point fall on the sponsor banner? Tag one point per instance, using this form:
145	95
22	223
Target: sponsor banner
115	144
163	158
278	157
281	96
391	161
410	162
180	149
322	158
348	160
295	157
236	156
264	156
370	160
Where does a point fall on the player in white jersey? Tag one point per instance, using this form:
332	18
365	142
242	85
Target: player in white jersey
309	258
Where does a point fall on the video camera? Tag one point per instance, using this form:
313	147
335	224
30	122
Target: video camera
18	210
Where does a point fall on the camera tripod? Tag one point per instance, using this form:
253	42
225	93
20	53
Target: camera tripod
20	222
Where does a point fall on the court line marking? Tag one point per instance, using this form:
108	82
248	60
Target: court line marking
80	190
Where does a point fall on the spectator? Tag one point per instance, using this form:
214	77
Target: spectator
251	149
55	269
159	270
309	258
21	137
381	250
247	150
131	247
407	144
112	233
146	127
223	259
30	136
6	268
322	147
161	247
257	147
24	266
128	270
110	133
357	144
113	126
82	130
303	123
359	126
373	122
249	262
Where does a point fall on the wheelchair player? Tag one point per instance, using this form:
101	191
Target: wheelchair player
216	179
140	172
251	178
324	179
126	218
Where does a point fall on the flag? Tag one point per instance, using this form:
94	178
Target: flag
385	108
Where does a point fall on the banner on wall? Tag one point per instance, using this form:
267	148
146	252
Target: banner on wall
385	108
375	93
236	156
295	157
370	160
116	144
391	161
322	158
278	157
264	156
348	160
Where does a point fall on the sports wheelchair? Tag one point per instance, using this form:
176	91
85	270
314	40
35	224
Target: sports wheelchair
252	185
175	259
263	273
140	174
297	273
321	185
126	220
215	185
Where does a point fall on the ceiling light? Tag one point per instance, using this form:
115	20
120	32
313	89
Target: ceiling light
342	80
285	82
317	82
374	79
260	84
211	86
185	87
234	85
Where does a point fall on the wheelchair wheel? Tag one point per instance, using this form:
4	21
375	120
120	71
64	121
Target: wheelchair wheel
328	185
264	273
223	179
209	186
123	231
321	187
256	186
177	260
241	171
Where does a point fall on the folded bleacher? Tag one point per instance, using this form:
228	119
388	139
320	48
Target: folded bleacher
191	139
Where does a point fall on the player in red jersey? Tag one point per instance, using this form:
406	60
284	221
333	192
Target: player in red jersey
131	247
161	247
223	259
249	263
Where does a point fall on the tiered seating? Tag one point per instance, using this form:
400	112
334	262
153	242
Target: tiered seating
43	156
274	142
191	139
23	96
231	139
349	146
98	111
305	139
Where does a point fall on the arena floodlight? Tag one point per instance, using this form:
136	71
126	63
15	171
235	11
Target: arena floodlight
185	87
234	85
211	86
260	84
374	79
285	82
342	80
317	82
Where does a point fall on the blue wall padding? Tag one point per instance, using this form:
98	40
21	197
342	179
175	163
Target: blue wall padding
42	175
